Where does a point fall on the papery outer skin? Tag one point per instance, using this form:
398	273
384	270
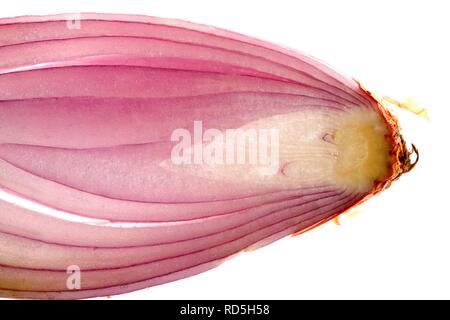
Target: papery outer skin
85	122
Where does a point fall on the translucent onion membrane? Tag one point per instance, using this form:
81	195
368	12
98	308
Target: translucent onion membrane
87	177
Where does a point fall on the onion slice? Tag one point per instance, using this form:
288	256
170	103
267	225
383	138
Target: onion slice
143	150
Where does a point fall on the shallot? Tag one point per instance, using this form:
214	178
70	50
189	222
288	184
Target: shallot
137	150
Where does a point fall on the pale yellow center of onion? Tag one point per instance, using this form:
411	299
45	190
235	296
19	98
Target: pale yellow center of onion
362	150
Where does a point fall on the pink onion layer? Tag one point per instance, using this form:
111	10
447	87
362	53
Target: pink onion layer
86	117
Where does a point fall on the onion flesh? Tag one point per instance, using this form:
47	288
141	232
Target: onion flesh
87	170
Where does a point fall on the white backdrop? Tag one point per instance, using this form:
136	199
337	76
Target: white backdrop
398	244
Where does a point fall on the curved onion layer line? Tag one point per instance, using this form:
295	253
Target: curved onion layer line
170	212
23	222
189	84
145	272
88	256
280	53
198	68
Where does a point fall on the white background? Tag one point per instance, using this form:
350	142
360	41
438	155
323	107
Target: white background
398	244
